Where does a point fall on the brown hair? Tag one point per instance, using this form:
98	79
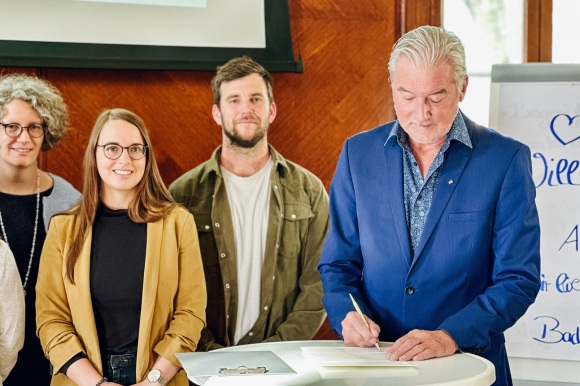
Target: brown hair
239	68
151	203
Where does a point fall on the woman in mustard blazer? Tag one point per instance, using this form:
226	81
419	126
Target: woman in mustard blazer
121	286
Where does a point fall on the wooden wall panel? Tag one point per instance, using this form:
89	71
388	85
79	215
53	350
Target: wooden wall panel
345	48
344	89
538	31
414	13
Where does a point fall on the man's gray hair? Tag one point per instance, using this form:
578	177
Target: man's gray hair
429	46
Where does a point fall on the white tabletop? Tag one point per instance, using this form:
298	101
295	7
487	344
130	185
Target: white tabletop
456	370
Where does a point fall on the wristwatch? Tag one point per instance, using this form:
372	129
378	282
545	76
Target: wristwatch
155	376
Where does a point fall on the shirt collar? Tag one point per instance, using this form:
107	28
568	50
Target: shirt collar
280	163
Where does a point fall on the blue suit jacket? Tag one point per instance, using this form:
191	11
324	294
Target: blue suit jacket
476	267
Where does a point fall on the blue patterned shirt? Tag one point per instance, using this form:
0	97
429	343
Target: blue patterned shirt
419	192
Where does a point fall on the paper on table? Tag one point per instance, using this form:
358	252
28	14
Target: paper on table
350	356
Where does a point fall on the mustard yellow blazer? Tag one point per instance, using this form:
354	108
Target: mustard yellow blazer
173	305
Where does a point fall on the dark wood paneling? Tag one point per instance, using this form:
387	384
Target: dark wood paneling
415	13
345	48
538	31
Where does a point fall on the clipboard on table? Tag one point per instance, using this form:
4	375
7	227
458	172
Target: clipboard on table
232	363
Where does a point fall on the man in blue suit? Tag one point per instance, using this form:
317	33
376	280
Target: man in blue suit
434	227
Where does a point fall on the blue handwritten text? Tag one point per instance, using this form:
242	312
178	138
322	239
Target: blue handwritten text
557	172
544	284
571	239
566	284
551	332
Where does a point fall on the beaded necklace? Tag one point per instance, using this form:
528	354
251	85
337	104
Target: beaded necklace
34	234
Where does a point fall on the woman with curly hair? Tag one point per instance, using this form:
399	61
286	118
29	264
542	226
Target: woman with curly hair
33	118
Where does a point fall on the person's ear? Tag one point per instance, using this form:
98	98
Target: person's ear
273	111
216	114
464	88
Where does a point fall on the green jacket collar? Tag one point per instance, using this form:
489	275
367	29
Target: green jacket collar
213	164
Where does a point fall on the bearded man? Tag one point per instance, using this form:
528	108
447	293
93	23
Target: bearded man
261	221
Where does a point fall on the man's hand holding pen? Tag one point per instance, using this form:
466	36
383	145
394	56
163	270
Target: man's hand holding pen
359	330
417	345
356	333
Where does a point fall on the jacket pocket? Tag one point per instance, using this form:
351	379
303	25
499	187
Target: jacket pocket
470	216
294	228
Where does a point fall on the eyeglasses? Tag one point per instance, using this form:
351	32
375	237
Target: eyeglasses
114	151
35	130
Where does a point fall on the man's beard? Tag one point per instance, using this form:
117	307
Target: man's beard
246	143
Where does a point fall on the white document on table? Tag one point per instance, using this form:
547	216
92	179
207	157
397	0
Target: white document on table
350	357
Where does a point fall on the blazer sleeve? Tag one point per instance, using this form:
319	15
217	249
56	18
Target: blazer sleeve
54	321
341	263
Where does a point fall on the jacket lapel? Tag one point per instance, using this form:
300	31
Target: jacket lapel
458	155
150	286
83	304
394	175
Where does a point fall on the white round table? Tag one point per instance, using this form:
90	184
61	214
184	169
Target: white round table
456	370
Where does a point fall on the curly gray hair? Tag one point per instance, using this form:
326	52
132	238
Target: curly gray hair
44	98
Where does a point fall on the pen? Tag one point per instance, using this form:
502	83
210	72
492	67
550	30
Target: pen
358	311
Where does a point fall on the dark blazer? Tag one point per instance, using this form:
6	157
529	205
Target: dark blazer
477	265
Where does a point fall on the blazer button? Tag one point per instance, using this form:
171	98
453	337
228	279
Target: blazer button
409	290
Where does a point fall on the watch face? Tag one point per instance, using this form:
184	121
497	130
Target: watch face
154	375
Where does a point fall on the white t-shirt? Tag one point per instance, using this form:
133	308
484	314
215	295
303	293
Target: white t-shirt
249	199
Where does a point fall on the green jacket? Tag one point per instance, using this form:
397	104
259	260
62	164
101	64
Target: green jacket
291	290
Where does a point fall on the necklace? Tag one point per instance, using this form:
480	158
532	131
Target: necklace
33	235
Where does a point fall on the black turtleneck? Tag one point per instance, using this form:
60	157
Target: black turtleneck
117	268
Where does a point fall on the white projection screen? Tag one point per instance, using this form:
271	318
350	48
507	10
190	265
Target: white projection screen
147	34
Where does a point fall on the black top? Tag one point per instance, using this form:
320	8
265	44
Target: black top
117	268
18	213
